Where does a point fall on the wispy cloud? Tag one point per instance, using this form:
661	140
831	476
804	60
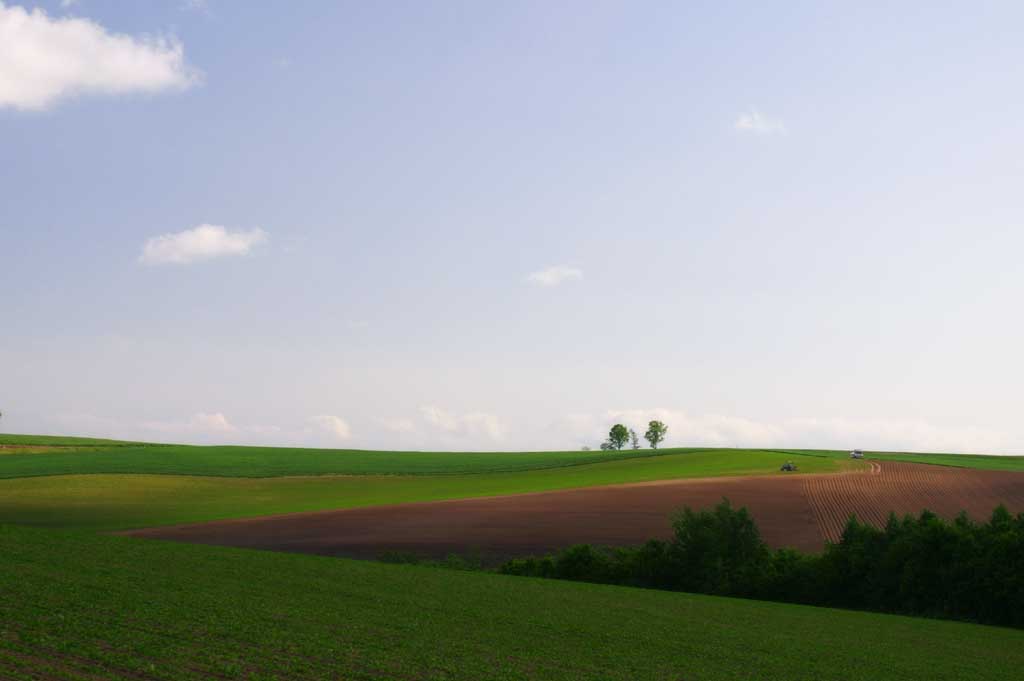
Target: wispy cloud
438	427
44	59
471	424
554	275
212	422
719	430
335	426
204	242
757	123
207	426
196	5
398	425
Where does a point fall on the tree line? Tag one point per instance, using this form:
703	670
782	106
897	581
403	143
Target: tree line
915	565
620	435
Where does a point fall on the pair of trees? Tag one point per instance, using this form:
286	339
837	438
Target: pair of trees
619	435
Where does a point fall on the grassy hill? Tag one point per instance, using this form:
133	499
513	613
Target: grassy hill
78	605
82	606
112	485
980	461
64	456
61	441
108	502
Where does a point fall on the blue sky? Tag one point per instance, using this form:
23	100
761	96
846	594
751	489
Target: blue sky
502	226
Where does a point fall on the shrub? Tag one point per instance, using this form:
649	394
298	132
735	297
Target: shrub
919	565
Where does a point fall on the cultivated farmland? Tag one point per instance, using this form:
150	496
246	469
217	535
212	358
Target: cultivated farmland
75	604
799	512
908	488
129	500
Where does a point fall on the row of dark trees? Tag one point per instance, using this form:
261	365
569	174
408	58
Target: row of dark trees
620	435
919	565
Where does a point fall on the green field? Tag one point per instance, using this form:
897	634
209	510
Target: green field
108	502
64	457
980	461
270	462
73	482
82	606
62	441
79	605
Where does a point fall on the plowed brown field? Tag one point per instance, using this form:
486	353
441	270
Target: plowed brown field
908	488
801	511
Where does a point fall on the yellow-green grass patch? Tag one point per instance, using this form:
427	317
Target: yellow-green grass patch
111	502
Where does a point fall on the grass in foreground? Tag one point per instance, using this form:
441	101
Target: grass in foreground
113	502
81	606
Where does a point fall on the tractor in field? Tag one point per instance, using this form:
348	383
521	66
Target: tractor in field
856	454
788	467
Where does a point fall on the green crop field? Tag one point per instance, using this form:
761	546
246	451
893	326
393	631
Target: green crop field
61	441
108	502
980	461
64	457
76	604
82	606
112	485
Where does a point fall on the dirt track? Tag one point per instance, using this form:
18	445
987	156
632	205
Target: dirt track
801	511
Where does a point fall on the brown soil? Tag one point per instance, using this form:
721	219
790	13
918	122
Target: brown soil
800	511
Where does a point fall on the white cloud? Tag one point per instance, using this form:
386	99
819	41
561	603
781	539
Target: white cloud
398	425
44	59
717	430
554	275
212	427
703	430
68	3
440	419
204	242
468	425
908	435
217	423
201	424
200	428
196	6
437	428
759	124
335	426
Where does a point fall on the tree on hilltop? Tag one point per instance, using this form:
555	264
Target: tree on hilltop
634	439
618	436
656	431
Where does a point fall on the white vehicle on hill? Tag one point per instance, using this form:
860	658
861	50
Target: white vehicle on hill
856	454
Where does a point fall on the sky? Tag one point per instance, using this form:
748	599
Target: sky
503	226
